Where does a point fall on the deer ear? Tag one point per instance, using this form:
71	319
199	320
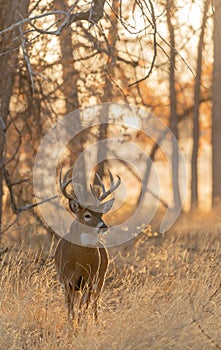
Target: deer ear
105	207
74	205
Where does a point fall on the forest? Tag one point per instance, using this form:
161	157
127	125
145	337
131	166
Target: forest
120	100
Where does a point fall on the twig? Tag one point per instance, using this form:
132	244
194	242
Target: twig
195	321
154	26
26	58
29	20
15	209
10	225
30	206
5	162
206	334
93	16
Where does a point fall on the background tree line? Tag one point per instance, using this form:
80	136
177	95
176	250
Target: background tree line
58	56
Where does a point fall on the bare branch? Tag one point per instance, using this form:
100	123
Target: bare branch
30	206
5	162
10	225
30	19
107	51
154	26
26	58
15	209
93	16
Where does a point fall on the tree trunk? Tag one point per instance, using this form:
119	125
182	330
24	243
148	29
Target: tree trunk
108	86
70	81
216	110
173	109
11	12
197	96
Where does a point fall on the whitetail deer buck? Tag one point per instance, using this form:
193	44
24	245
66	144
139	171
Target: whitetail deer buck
81	266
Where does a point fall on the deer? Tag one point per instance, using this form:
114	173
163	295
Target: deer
82	265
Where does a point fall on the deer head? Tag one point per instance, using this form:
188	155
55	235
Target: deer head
90	214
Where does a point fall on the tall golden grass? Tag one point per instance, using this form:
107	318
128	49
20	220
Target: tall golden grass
167	296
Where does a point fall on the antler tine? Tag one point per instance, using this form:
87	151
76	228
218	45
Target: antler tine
65	183
67	173
111	176
100	182
113	186
93	191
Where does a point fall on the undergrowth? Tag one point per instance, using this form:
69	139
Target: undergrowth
166	296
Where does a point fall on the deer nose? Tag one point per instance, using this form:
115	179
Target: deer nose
102	227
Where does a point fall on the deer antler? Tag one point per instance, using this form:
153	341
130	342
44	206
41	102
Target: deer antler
106	193
64	184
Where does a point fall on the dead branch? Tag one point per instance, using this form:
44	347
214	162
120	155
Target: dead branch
154	26
5	162
26	58
10	185
31	19
93	16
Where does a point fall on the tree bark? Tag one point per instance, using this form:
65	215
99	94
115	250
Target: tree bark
173	108
11	12
108	86
196	111
71	77
216	109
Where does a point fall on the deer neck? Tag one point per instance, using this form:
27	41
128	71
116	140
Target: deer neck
83	235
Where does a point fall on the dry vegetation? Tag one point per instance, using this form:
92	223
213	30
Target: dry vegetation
168	296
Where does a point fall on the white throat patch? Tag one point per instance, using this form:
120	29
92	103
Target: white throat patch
89	239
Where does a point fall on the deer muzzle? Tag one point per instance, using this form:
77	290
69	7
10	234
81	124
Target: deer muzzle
102	227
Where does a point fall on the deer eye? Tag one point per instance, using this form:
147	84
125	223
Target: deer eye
87	216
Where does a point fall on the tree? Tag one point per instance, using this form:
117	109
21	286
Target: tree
196	110
173	106
71	76
108	90
68	57
216	109
9	42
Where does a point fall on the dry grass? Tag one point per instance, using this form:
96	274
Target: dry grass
168	297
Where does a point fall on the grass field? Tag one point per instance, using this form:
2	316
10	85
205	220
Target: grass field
166	295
